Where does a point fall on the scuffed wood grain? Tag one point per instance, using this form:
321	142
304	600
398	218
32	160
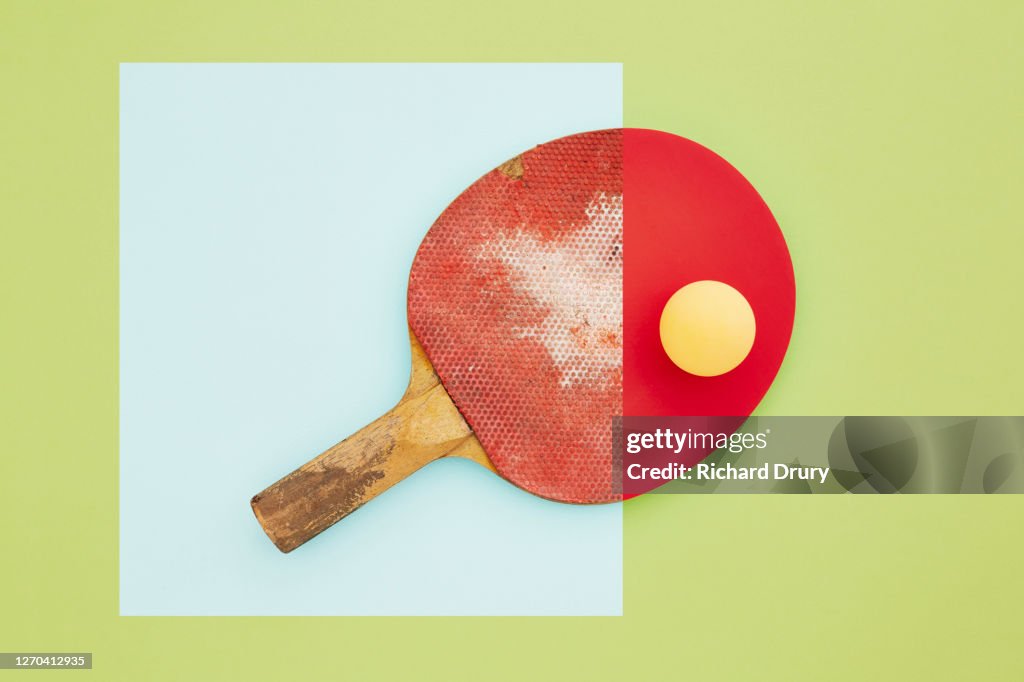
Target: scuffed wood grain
423	427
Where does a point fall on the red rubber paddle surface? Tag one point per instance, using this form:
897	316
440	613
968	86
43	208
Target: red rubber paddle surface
691	216
537	293
516	297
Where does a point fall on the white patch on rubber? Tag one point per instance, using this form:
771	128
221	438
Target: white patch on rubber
578	279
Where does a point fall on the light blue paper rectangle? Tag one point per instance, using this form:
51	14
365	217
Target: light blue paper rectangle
269	217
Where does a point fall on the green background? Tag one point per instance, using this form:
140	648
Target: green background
885	136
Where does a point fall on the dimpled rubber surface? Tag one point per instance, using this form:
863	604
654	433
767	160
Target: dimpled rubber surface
516	296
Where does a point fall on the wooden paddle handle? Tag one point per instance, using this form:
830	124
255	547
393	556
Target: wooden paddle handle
423	427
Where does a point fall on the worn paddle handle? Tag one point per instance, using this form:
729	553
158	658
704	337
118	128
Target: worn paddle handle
424	426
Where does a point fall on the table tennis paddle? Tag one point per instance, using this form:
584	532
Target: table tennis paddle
516	308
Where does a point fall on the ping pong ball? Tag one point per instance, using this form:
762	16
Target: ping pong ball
707	328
